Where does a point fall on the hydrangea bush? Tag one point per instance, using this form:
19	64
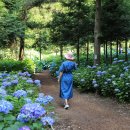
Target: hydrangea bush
112	80
22	107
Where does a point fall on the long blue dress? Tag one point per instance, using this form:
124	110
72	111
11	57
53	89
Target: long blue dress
66	82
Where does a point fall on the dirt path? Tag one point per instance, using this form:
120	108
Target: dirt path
87	112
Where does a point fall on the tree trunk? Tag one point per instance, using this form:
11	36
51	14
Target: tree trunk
87	53
111	53
104	47
21	51
61	51
78	52
40	51
97	33
117	50
126	48
106	55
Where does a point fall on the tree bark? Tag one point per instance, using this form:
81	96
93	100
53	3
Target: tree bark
97	33
40	51
21	51
126	48
117	48
61	51
78	52
111	53
104	47
106	55
87	53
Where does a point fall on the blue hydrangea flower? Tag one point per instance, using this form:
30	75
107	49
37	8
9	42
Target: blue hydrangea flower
2	92
96	85
37	82
108	80
41	95
93	67
24	128
115	59
47	121
42	100
82	80
117	90
14	82
49	98
30	81
113	76
120	61
6	84
5	106
122	75
105	83
20	93
94	82
28	100
31	112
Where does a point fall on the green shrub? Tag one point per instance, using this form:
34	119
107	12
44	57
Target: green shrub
13	65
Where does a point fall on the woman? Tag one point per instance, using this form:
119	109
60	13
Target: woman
66	78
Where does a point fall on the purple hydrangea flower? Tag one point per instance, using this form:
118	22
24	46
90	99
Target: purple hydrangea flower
24	128
31	112
20	93
47	121
5	106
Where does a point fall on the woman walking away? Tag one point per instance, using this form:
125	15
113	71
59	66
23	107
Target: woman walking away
66	78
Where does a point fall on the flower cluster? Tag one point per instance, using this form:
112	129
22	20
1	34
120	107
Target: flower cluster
14	82
20	93
29	81
24	128
24	74
44	99
47	121
37	82
5	106
31	112
2	92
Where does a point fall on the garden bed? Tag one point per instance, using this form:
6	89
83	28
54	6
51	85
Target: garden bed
21	105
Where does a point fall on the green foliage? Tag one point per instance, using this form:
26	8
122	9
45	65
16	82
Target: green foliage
115	20
12	65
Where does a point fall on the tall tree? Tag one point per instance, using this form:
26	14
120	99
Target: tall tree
97	33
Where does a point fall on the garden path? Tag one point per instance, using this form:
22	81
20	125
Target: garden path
87	111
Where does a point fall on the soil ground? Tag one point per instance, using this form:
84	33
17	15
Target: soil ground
87	111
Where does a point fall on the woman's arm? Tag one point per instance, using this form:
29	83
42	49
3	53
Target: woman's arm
60	75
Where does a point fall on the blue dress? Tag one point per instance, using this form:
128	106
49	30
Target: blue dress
66	82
